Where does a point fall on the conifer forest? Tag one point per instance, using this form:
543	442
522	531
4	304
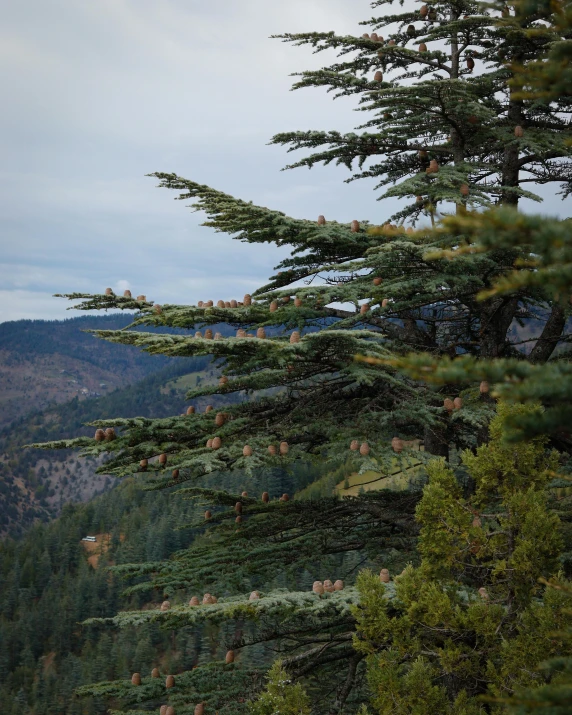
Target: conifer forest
368	508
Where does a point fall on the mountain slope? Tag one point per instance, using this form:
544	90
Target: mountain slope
44	362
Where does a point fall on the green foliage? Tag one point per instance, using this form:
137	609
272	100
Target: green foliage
47	586
381	292
281	695
472	619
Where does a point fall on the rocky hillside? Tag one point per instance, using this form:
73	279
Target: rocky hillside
54	379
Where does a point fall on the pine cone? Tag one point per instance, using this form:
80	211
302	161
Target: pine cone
295	337
208	515
233	303
209	443
217	443
165	605
518	131
339	585
247	450
163	459
238	520
110	434
328	586
229	657
142	298
377	281
457	403
354	445
364	449
424	11
175	474
397	445
223	380
155	673
297	302
265	497
484	387
254	596
318	587
99	435
377	77
170	681
384	576
198	334
273	307
143	465
194	601
208	334
284	447
261	333
284	497
127	294
364	308
354	226
464	189
208	408
220	304
321	220
247	300
108	291
136	679
190	410
448	404
200	709
422	47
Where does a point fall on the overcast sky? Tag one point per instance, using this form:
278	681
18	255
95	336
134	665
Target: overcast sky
98	94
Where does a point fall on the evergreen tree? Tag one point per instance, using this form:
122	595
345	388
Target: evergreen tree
447	135
472	619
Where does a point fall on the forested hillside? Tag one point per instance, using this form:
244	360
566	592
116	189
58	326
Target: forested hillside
54	380
50	581
34	484
52	361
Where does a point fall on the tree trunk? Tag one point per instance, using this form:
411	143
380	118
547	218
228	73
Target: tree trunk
496	318
550	335
435	441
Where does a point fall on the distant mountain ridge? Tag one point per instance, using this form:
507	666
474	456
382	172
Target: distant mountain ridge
45	362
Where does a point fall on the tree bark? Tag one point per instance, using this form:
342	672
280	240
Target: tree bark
435	441
550	335
496	318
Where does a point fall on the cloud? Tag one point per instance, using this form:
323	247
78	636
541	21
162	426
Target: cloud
98	94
